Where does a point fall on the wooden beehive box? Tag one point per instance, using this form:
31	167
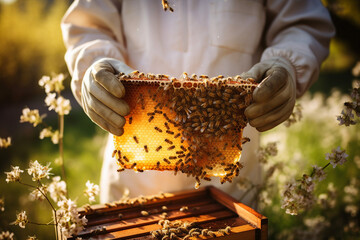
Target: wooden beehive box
209	207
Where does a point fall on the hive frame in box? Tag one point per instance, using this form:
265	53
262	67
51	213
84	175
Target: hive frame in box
209	207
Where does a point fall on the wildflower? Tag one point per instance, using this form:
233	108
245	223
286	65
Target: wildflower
63	106
46	132
69	219
352	210
14	175
337	156
295	116
298	197
2	204
243	183
91	191
60	105
31	116
38	193
31	238
356	69
265	152
21	219
6	235
50	101
54	84
57	189
346	118
38	171
5	142
318	173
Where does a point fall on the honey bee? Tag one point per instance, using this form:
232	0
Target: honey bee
141	75
113	154
158	148
126	159
151	118
178	162
166	160
170	132
172	157
133	165
184	209
209	167
134	73
158	111
157	129
146	148
203	76
120	169
144	213
136	139
171	147
150	114
167	126
245	140
130	120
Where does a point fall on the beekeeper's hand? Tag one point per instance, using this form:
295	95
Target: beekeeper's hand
102	92
274	98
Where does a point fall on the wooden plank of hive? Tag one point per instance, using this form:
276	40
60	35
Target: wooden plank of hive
209	207
135	218
247	213
144	230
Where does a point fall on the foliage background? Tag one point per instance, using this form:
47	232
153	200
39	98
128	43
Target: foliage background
31	46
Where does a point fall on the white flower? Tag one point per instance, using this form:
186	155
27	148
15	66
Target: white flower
2	204
31	238
60	105
92	190
46	132
50	101
38	194
14	175
69	219
54	84
57	189
38	171
6	235
63	106
31	116
5	142
21	219
318	173
352	210
337	156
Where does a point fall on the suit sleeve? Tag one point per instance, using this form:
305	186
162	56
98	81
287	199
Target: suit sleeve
299	31
91	30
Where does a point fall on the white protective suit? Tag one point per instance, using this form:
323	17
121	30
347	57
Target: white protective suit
212	37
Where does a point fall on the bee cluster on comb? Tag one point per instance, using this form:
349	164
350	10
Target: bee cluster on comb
193	124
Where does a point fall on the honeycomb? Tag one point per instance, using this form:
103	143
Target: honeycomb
191	125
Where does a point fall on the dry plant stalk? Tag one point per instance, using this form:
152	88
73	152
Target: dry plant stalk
193	125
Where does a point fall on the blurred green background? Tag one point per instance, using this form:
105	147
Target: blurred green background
31	46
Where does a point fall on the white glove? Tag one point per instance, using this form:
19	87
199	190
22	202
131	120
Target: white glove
274	98
101	94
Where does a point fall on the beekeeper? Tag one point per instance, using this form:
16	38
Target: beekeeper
286	40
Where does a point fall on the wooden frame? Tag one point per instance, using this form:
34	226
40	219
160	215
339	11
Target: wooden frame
209	207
